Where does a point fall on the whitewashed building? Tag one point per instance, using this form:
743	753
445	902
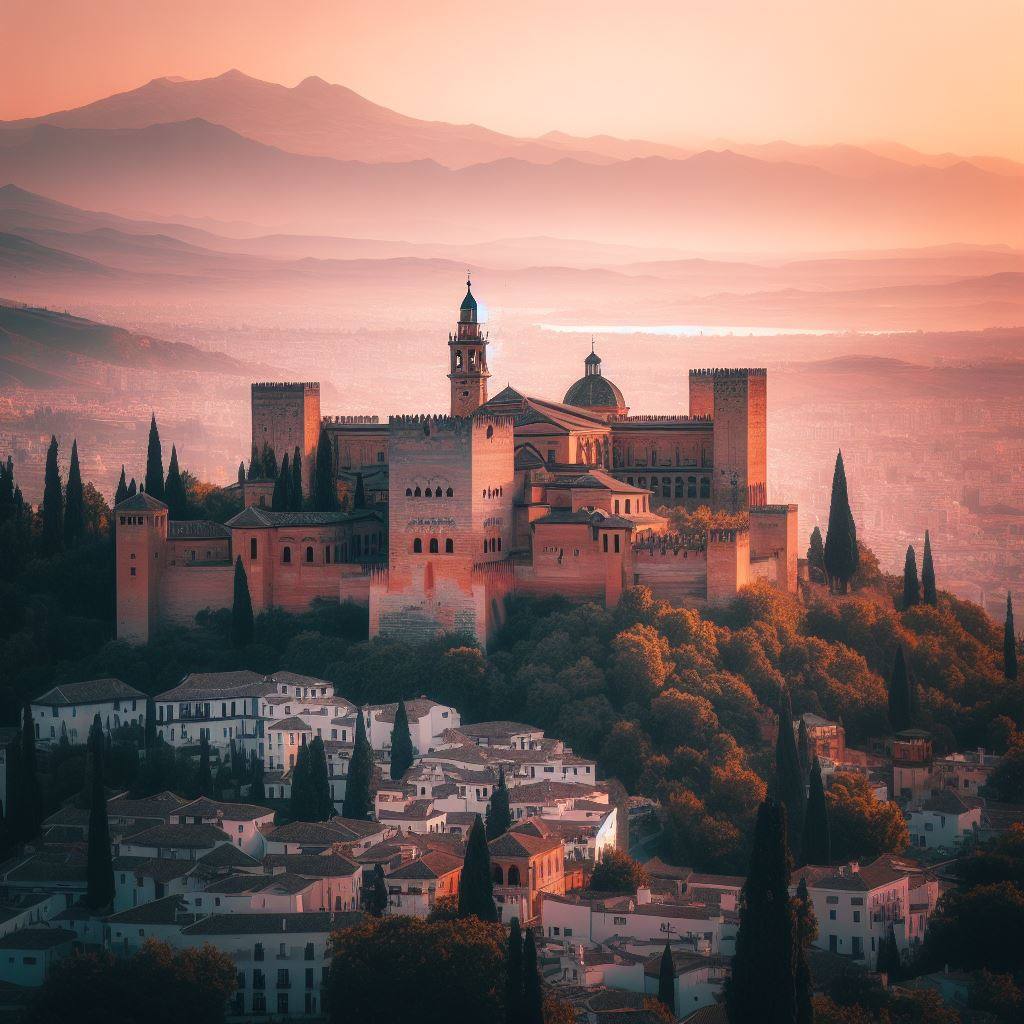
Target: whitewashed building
948	820
67	711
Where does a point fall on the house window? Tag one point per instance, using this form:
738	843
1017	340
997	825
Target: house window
309	554
282	1002
257	952
282	978
308	953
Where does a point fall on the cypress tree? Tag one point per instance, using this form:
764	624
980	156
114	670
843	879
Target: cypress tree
401	743
789	780
360	774
53	504
204	777
268	462
280	500
816	551
256	790
514	974
816	843
255	469
533	999
154	463
763	983
122	489
319	781
325	490
241	608
74	502
667	980
378	892
889	955
29	801
174	489
295	485
132	488
150	730
241	474
803	749
928	593
911	584
1009	641
99	868
805	928
841	554
300	806
499	814
476	890
6	490
900	700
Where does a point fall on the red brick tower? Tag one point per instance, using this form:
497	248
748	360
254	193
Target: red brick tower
140	544
467	357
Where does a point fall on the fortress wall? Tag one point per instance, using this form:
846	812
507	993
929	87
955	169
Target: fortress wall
354	587
773	534
186	590
679	578
286	415
728	564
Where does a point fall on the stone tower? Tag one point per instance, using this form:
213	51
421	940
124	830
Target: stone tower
467	357
140	545
286	416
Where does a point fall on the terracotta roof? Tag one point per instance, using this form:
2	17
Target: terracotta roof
497	730
93	691
255	518
204	807
292	724
521	844
433	864
238	885
160	869
295	679
415	709
414	810
192	837
337	830
141	502
66	868
546	790
159	805
312	865
218	685
227	856
594	517
37	938
947	801
314	923
168	910
197	529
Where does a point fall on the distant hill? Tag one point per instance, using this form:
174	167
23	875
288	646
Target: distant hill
40	348
712	201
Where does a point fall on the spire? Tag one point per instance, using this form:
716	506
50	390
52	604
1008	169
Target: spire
467	311
592	364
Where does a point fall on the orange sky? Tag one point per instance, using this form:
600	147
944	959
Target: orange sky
937	75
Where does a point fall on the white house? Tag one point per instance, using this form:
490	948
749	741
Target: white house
340	879
27	955
243	823
946	820
67	711
427	721
182	842
141	880
414	887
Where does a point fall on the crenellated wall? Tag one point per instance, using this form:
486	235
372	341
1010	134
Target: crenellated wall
285	416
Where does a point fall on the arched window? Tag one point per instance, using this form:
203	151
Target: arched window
498	875
286	555
705	487
437	493
252	550
513	875
449	546
433	545
428	493
450	493
691	487
499	543
485	545
416	493
417	546
680	487
490	433
666	487
309	553
408	492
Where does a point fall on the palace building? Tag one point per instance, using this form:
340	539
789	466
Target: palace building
446	515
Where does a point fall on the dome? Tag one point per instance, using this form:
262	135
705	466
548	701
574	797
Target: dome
594	391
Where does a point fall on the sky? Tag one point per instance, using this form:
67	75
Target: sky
942	75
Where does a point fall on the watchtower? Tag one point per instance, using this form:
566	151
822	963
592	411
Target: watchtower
467	357
140	546
286	415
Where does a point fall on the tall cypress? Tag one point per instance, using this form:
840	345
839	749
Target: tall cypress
99	868
53	503
29	803
514	974
841	554
816	551
911	584
667	980
174	489
889	955
74	501
533	998
1009	641
280	500
6	490
816	843
241	608
268	462
325	489
319	781
256	788
241	474
358	803
803	749
499	814
901	710
803	916
476	890
763	983
204	777
154	463
133	488
378	892
928	593
295	485
255	469
401	743
300	806
122	489
789	779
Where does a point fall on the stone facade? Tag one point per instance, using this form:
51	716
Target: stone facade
449	514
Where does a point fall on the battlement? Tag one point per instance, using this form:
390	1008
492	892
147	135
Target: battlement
443	421
662	418
771	510
670	543
727	536
306	386
718	371
347	420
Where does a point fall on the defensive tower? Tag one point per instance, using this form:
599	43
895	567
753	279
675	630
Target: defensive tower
467	358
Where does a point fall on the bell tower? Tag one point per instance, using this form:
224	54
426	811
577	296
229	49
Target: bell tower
467	358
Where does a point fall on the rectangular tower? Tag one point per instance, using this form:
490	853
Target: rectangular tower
285	416
140	549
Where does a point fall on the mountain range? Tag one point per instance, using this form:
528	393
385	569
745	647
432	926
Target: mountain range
320	159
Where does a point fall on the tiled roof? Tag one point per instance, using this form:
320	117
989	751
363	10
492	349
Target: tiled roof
312	866
204	807
292	724
93	691
294	679
37	938
546	790
596	479
227	856
159	805
255	518
946	801
587	516
63	868
194	837
218	685
316	923
141	502
197	529
168	910
160	869
728	881
414	810
337	830
521	844
241	884
497	729
415	709
434	864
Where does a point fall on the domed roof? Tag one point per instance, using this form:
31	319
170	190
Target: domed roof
594	391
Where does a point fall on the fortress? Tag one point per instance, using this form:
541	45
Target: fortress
446	515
